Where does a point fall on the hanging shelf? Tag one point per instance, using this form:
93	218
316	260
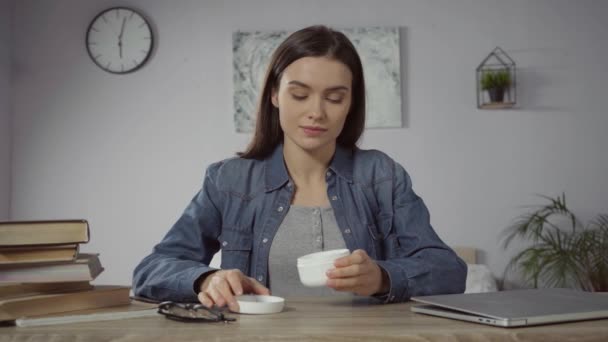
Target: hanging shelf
496	81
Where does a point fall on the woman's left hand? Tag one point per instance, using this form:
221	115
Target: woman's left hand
358	273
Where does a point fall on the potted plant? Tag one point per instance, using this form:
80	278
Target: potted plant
562	251
496	82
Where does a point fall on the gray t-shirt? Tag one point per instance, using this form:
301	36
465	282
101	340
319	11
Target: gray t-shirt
304	230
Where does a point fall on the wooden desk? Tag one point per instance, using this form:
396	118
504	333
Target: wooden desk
311	319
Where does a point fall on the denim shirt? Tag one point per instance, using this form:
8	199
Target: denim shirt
243	201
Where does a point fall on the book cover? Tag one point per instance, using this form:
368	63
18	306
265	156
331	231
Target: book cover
23	290
38	254
134	309
32	233
98	297
85	268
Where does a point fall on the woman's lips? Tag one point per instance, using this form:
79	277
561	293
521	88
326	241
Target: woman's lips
312	131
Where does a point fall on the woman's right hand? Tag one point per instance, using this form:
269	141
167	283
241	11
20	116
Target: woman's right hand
220	288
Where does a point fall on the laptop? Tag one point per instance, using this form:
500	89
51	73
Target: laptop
517	308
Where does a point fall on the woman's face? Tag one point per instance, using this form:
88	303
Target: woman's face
313	98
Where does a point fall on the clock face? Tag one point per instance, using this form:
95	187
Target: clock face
119	40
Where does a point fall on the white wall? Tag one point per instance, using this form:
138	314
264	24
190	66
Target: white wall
6	36
128	152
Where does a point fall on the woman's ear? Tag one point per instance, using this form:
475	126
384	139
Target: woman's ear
274	97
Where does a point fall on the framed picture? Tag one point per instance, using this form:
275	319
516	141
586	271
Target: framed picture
378	48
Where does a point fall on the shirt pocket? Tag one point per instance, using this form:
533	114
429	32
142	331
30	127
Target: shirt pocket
236	249
379	232
381	227
392	247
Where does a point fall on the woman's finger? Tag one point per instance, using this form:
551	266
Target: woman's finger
252	285
347	272
357	257
235	280
215	295
343	284
360	256
224	289
205	300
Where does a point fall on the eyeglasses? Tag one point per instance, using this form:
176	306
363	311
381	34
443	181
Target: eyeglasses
191	312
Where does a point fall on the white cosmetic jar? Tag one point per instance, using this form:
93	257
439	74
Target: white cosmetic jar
312	267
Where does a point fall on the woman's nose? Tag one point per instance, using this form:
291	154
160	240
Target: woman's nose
316	110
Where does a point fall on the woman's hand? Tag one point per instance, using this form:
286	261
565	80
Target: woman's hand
221	287
358	273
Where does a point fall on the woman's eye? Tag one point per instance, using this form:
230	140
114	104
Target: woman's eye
335	100
299	97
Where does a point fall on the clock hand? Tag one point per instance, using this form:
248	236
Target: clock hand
122	30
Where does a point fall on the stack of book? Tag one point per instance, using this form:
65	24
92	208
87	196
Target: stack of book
42	271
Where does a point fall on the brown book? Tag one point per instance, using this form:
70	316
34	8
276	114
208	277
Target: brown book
85	268
98	297
32	233
38	254
22	290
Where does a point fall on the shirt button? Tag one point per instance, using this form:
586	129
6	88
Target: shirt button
224	243
392	298
334	198
328	174
289	185
260	278
346	231
319	239
265	240
279	209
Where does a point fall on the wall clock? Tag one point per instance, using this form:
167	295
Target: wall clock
120	40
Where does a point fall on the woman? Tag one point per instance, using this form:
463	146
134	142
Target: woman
302	186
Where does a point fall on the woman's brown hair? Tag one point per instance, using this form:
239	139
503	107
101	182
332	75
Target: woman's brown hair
313	41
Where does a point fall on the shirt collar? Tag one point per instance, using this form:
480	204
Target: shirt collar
276	172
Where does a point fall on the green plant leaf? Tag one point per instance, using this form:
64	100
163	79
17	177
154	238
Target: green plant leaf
495	79
576	257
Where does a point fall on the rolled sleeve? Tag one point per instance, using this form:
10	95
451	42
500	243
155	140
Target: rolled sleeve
419	262
397	278
184	254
